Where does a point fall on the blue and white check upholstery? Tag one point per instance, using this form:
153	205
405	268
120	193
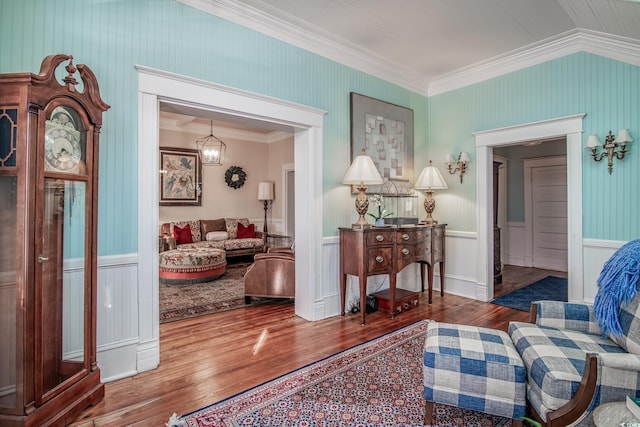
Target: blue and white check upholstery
554	351
474	368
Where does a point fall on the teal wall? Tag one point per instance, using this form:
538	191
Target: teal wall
112	36
607	91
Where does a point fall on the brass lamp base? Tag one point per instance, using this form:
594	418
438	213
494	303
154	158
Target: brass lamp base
362	206
429	206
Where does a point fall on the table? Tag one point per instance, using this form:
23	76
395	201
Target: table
613	414
278	241
387	250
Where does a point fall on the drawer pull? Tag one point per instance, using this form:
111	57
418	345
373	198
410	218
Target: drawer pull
405	251
405	236
379	237
379	258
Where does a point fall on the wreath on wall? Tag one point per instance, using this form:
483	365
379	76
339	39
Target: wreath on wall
235	177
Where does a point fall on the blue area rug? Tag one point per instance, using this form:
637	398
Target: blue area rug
550	288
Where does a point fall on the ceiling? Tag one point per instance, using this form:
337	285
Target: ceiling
425	39
422	40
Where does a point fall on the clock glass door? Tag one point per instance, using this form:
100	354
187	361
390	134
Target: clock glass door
62	265
62	253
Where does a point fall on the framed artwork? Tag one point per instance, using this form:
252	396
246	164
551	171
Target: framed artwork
385	132
180	177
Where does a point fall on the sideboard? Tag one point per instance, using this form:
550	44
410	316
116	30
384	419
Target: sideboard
371	251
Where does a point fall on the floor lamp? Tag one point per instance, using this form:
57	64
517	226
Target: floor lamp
265	194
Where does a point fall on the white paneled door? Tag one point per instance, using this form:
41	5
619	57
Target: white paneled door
549	216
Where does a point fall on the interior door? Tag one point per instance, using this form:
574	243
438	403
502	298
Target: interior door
549	217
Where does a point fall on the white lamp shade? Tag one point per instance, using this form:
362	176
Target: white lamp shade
265	191
430	177
464	157
623	136
362	170
449	160
593	141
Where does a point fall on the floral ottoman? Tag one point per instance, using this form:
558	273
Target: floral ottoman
192	265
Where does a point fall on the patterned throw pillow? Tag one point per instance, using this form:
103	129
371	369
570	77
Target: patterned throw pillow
182	235
232	226
193	224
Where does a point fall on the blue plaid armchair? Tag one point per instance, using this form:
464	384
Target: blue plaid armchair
579	356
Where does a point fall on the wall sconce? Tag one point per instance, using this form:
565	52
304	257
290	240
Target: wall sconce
211	149
611	143
362	172
430	179
265	194
463	161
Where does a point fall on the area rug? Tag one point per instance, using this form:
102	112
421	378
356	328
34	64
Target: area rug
185	301
550	288
378	383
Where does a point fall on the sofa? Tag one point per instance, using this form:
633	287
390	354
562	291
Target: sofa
237	236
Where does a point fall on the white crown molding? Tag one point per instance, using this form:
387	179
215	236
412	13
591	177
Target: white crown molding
344	52
312	39
580	40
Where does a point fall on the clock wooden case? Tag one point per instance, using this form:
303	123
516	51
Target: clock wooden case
49	135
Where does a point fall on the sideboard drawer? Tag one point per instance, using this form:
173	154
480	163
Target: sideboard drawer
408	236
407	254
380	237
380	260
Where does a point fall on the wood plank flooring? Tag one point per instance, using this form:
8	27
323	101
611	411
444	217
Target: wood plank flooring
209	358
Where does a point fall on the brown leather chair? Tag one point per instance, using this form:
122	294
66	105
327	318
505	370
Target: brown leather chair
272	275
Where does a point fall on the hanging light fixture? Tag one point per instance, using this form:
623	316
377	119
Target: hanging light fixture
211	149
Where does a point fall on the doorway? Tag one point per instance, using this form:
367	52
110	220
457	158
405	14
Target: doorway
569	127
531	240
306	122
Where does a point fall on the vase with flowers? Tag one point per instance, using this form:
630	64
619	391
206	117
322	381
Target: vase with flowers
380	212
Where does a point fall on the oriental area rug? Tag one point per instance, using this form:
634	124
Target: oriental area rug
185	301
378	383
550	288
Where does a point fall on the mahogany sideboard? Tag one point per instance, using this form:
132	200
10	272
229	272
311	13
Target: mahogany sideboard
387	250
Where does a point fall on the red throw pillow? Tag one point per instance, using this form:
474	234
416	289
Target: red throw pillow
246	232
182	235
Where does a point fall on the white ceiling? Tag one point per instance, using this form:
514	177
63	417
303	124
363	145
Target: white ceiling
417	43
423	40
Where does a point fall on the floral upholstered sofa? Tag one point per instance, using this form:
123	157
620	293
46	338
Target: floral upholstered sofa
237	236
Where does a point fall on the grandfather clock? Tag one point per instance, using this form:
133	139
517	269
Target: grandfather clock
49	134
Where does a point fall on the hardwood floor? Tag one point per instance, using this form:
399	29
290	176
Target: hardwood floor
209	358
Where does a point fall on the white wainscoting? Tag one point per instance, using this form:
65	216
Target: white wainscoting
596	253
118	329
513	245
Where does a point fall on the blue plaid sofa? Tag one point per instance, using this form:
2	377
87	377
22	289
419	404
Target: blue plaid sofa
473	368
571	367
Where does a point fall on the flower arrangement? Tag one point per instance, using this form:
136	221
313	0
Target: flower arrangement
377	200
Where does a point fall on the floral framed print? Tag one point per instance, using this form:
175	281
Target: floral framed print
180	177
385	132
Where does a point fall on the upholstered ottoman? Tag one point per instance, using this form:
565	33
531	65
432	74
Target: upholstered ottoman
192	265
473	368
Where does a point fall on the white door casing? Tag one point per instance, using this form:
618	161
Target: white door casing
306	122
569	127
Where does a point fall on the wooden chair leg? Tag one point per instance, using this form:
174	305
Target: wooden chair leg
428	413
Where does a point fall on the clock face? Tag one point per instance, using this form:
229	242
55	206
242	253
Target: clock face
62	146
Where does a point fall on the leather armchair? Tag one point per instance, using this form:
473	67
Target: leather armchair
272	275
